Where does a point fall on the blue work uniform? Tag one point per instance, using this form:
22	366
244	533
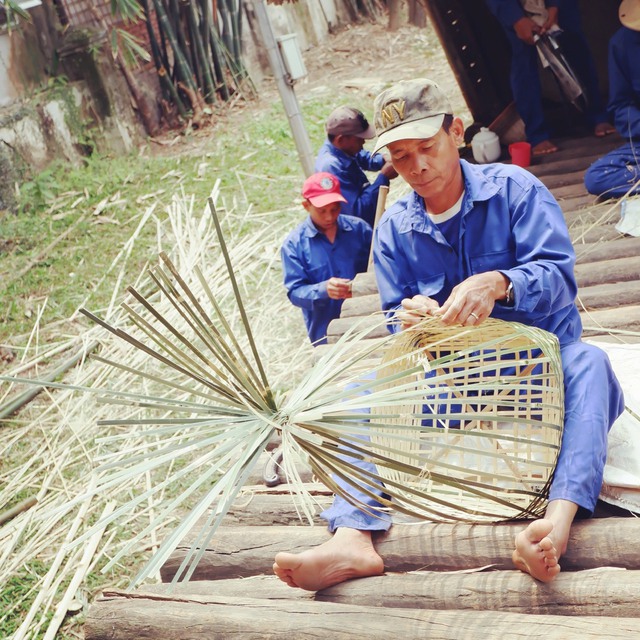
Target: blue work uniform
309	259
509	222
361	195
614	174
525	79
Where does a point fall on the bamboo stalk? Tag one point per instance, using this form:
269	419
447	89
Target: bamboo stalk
9	514
78	577
9	408
200	55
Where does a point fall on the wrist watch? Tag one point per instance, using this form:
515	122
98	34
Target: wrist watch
508	298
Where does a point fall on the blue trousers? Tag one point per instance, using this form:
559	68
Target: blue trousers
614	174
525	80
593	401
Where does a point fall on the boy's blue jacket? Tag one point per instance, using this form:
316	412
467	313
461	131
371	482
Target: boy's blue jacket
309	260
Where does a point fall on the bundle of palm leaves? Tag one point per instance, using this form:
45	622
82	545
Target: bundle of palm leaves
442	404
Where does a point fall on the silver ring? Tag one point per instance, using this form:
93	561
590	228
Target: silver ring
474	315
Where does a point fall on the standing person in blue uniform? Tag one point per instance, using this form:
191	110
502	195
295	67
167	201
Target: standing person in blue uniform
343	155
520	26
469	242
322	255
617	172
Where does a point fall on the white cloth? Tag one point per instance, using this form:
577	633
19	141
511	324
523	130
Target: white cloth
621	485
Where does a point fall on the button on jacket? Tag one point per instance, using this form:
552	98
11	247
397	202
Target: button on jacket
362	196
309	260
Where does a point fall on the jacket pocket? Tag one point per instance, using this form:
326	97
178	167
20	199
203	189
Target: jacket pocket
497	260
430	286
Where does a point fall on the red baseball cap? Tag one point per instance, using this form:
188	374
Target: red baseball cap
322	189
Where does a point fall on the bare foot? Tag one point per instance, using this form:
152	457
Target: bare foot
603	129
543	148
536	553
348	554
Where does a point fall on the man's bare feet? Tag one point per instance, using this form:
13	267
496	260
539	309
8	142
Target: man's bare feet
603	129
540	545
543	148
535	552
348	554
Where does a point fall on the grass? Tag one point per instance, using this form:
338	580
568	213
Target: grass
56	254
253	155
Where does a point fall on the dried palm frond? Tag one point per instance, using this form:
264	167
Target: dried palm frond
441	405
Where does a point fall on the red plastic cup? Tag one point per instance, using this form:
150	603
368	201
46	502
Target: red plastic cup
520	153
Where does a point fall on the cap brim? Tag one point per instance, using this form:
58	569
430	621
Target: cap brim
325	199
368	134
416	130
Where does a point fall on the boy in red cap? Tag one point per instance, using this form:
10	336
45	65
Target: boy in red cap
321	256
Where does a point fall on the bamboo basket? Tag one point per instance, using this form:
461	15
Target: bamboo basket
477	426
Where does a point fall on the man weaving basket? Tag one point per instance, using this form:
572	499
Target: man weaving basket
469	242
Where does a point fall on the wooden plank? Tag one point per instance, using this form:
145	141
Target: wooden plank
121	616
595	592
235	553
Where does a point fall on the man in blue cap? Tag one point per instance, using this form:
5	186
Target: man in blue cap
343	155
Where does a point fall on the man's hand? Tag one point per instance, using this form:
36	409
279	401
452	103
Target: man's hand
525	29
473	299
339	288
388	170
415	309
552	19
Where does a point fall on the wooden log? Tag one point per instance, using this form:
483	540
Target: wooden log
578	202
609	295
272	509
625	319
361	306
364	284
619	248
571	190
596	592
122	616
592	214
337	327
581	233
614	270
409	547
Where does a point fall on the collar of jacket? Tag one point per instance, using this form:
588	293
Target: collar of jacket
310	230
477	188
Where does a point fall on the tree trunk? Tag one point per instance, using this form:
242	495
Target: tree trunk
395	14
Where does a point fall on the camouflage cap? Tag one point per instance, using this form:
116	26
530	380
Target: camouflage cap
410	109
629	14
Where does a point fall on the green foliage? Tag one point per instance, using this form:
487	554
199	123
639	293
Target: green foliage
39	191
257	162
